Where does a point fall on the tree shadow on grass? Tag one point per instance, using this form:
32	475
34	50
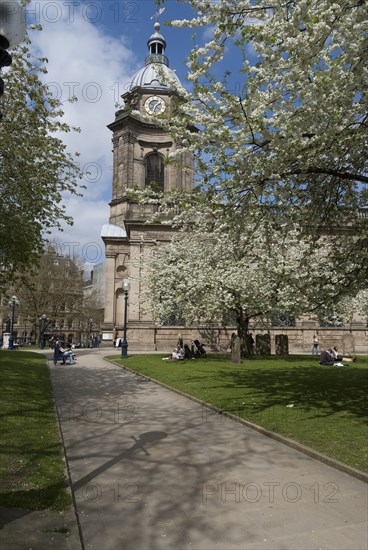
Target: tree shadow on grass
54	496
331	390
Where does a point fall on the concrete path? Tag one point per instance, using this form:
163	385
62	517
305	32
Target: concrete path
153	470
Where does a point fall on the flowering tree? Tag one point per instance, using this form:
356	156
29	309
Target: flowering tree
36	169
281	163
252	265
349	307
289	126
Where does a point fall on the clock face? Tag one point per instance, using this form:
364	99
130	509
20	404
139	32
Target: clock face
154	105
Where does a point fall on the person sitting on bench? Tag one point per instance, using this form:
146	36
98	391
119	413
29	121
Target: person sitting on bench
67	353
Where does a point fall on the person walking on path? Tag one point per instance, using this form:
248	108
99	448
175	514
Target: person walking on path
56	351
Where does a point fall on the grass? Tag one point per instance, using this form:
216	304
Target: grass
31	464
62	530
319	406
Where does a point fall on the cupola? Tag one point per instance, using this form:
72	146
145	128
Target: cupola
150	77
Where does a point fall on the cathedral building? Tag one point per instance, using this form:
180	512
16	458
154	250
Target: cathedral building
140	147
140	150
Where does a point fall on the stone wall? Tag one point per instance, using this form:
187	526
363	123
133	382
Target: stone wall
348	340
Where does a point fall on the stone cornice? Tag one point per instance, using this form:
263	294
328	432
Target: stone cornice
127	118
120	200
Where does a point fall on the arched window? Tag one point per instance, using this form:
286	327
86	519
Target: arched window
155	171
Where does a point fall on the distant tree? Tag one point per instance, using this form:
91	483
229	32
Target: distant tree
92	313
55	289
36	170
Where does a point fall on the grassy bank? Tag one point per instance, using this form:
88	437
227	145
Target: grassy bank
31	465
319	406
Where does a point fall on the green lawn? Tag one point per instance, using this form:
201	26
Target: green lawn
31	465
322	407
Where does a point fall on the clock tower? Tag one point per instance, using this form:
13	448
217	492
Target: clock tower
140	149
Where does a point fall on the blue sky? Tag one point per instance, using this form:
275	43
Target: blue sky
93	49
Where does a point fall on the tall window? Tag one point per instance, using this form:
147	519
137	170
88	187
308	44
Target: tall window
155	175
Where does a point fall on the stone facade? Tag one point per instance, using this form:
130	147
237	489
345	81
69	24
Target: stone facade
127	235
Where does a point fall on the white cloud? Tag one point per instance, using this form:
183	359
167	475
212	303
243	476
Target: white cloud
85	62
83	238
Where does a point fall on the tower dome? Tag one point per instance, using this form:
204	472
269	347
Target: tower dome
153	75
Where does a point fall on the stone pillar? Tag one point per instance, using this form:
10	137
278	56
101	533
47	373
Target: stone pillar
110	290
116	167
6	336
348	343
263	344
281	344
235	350
128	155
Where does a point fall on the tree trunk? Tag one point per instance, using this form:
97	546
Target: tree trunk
248	348
242	321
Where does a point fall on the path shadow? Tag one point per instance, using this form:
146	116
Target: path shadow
144	440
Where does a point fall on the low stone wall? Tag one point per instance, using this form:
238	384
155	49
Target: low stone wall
348	340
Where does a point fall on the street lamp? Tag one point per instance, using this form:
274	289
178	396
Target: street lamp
124	344
12	32
90	343
13	302
43	320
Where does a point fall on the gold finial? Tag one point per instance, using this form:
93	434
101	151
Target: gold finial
157	15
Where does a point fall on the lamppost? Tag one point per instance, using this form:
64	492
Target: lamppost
12	32
90	343
124	344
43	320
13	302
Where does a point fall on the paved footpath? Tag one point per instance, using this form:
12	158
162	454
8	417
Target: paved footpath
153	470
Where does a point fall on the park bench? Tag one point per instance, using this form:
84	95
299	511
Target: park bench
63	360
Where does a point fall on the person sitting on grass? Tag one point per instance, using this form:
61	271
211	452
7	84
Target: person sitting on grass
176	355
188	354
338	357
326	358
